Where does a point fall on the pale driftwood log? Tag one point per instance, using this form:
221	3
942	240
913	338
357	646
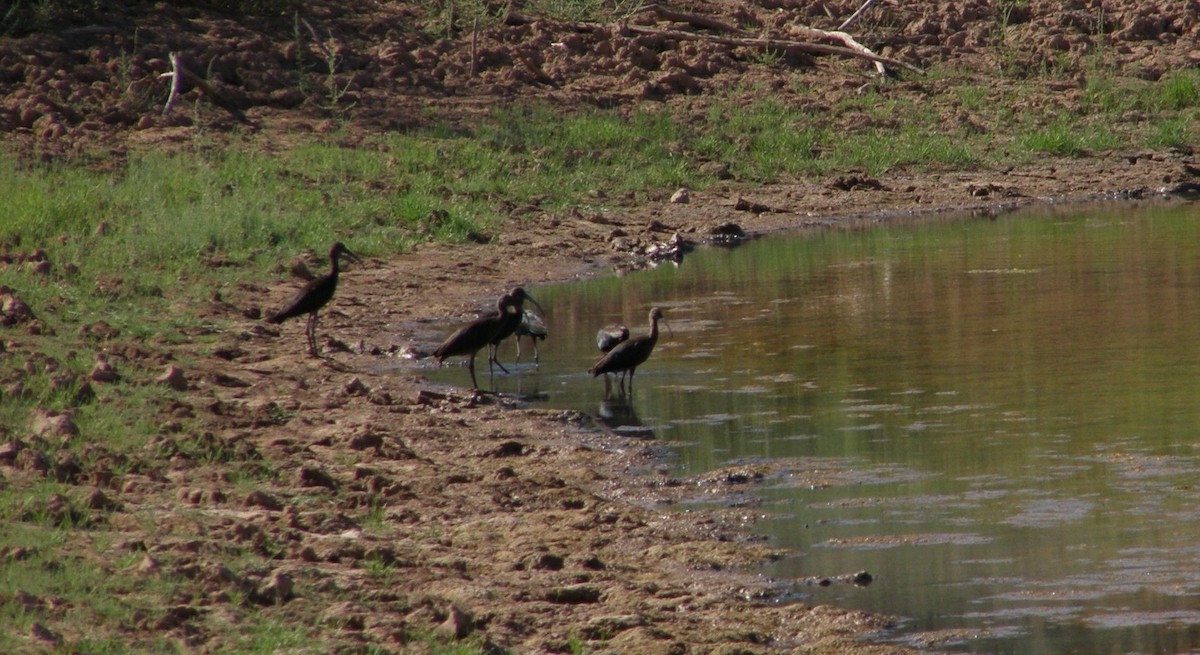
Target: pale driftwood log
782	44
740	37
179	73
849	43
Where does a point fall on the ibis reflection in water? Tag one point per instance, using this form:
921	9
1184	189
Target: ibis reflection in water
470	338
315	295
630	353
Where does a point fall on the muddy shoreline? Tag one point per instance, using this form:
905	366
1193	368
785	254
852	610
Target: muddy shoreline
536	526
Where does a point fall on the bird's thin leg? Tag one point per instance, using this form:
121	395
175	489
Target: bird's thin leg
496	358
537	362
471	367
631	371
310	333
518	351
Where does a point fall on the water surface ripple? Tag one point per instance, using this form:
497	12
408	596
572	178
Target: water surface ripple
999	419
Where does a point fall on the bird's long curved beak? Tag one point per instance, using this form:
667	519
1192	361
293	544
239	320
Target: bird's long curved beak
535	303
351	257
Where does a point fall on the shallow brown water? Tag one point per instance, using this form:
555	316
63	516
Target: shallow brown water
1006	412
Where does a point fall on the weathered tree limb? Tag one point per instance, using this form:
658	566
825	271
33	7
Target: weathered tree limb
783	44
740	37
702	22
847	41
855	16
179	73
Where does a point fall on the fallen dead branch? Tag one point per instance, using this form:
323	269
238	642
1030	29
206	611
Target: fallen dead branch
781	44
805	40
853	17
179	74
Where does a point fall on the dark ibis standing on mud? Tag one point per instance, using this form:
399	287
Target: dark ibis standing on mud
470	338
315	295
631	353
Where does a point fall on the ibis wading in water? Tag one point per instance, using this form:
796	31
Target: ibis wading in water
631	353
607	338
509	324
315	295
534	327
468	339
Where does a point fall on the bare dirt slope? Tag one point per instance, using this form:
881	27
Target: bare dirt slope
401	510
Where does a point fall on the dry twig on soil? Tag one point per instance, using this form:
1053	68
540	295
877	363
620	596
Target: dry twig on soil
179	74
805	41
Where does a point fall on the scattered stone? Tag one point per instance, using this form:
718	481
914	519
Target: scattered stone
98	501
355	387
9	450
103	371
52	425
458	624
300	269
681	197
345	615
13	310
744	205
174	378
719	170
230	353
42	633
100	331
574	594
727	231
276	590
259	498
175	617
308	554
604	627
311	476
368	439
66	467
30	459
509	449
548	562
593	563
81	392
148	564
228	381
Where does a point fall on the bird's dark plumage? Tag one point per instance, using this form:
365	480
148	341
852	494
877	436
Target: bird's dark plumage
315	295
509	323
468	339
631	353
